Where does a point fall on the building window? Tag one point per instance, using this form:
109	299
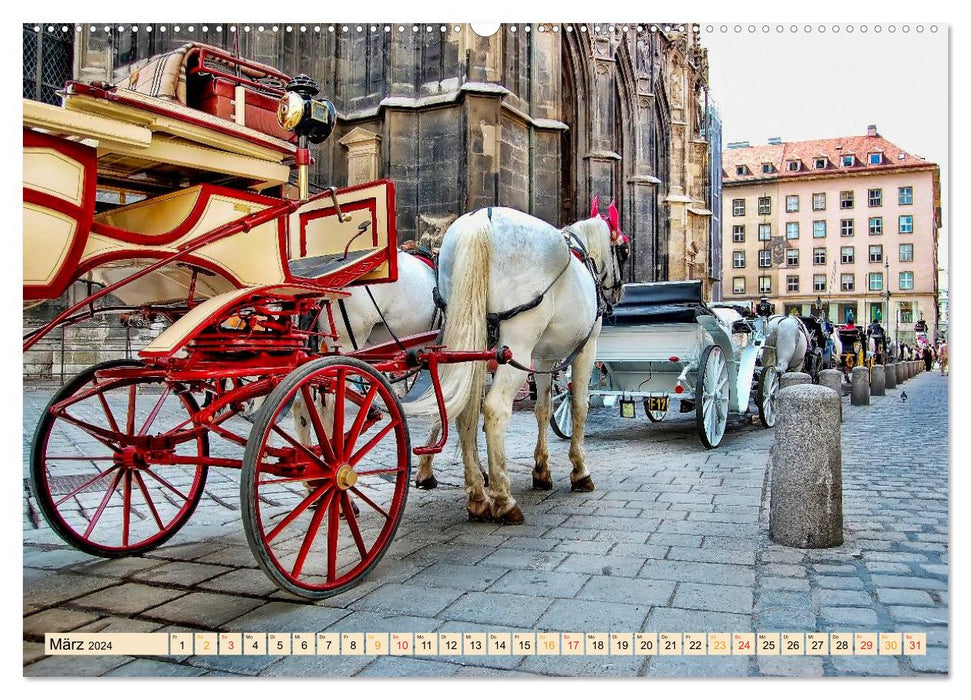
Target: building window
819	229
765	232
875	197
765	205
876	253
792	203
848	160
846	199
792	283
792	257
906	224
906	311
766	168
765	285
876	225
738	259
792	230
738	285
875	281
738	234
905	195
875	158
740	170
765	258
819	201
819	163
792	166
847	255
819	283
906	252
819	256
847	282
738	207
906	281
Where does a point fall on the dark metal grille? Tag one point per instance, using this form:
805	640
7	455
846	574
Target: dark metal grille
48	61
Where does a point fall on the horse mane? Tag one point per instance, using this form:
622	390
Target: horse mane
595	234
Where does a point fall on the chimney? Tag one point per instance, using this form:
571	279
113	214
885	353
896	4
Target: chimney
872	130
738	144
775	141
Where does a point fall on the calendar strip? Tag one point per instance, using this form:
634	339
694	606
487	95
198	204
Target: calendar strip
488	644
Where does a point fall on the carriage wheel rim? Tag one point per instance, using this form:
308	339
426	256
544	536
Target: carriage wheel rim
561	403
770	391
715	396
331	496
117	501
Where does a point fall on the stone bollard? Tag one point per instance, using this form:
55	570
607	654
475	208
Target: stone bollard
860	386
794	378
878	381
833	379
890	375
900	370
806	498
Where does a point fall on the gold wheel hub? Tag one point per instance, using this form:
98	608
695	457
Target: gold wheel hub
346	477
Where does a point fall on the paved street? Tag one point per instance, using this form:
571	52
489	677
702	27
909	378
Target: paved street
674	538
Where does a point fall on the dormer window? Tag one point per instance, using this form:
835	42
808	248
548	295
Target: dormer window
741	170
875	158
819	163
848	160
792	166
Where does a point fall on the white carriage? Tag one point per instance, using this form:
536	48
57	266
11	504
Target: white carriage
663	345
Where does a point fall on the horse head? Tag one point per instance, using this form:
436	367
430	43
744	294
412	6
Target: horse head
620	244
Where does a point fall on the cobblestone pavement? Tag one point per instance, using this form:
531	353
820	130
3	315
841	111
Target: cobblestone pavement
674	538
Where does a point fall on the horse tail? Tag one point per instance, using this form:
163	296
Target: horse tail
465	321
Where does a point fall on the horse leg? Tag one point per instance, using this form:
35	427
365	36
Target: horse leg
498	410
582	369
542	480
425	478
479	505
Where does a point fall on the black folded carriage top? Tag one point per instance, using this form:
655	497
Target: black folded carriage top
659	302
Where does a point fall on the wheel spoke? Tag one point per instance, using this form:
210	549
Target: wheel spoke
333	522
298	445
166	484
296	512
371	472
101	506
315	421
148	500
338	432
155	409
107	409
86	484
99	434
372	442
371	503
130	423
311	535
352	524
362	413
126	509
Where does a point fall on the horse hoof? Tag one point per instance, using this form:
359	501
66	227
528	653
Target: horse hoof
480	511
427	484
485	479
583	484
513	516
543	484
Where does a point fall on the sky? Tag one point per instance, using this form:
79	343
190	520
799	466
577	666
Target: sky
809	85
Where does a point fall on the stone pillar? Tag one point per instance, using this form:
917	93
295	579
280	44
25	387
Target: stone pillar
860	386
878	381
890	375
806	500
833	379
363	153
901	372
794	378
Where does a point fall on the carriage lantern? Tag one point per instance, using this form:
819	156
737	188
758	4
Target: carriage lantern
312	120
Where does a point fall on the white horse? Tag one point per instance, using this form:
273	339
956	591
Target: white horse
786	342
492	261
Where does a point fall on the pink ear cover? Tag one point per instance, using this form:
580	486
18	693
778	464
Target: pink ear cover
613	217
595	207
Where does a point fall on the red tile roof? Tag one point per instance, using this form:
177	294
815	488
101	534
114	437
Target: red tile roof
805	152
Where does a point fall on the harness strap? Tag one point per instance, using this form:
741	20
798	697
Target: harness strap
347	323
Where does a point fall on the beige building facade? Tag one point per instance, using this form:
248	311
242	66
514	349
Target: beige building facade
847	224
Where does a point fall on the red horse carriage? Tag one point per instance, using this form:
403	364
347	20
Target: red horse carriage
244	266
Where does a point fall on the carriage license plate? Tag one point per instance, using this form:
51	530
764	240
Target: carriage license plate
657	404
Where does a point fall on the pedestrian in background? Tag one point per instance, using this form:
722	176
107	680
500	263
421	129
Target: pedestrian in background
942	354
928	358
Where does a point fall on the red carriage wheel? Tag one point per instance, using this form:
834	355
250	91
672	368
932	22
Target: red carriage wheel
117	466
320	512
